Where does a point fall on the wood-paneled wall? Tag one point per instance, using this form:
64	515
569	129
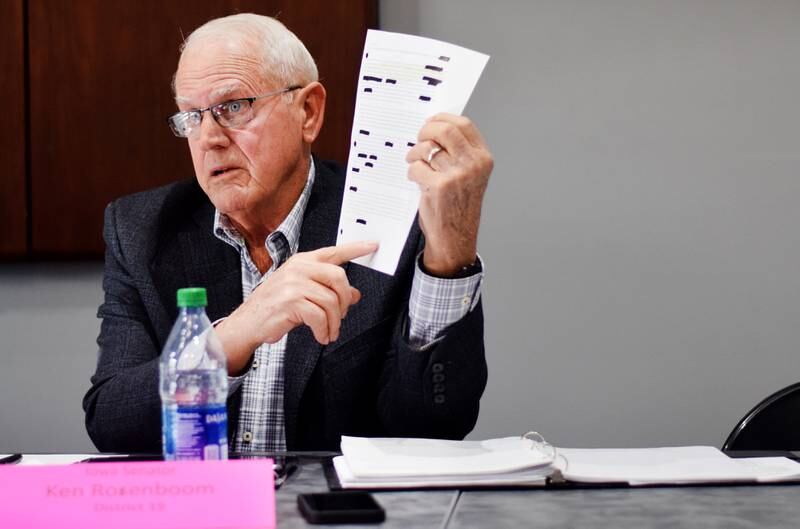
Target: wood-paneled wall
13	196
99	93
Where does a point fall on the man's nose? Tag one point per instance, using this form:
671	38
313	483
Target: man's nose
211	135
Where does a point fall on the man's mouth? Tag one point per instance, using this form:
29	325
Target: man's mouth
221	170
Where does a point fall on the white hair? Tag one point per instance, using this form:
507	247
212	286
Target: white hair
285	59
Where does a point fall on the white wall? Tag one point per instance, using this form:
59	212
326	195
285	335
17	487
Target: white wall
641	225
640	228
47	354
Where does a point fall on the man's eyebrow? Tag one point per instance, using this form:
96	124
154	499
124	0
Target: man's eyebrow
223	91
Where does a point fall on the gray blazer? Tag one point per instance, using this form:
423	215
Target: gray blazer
369	382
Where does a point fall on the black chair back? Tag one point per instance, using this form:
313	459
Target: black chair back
774	424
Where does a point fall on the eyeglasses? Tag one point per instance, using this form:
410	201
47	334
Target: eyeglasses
229	114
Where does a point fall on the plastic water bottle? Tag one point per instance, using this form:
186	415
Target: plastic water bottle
193	385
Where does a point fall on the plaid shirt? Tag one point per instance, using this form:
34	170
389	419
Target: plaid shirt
434	304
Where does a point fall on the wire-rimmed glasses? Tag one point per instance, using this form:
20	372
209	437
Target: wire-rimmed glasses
229	114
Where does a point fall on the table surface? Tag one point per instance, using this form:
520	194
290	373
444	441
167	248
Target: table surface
729	507
665	507
406	510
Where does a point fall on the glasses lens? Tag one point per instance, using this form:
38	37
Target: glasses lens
233	113
183	123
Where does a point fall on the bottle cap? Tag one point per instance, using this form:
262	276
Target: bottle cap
192	297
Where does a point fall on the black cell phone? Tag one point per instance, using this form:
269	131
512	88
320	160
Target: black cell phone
340	507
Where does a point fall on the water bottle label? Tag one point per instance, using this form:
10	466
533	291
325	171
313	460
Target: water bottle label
195	432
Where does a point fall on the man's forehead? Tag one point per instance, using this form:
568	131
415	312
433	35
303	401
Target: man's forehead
215	70
217	93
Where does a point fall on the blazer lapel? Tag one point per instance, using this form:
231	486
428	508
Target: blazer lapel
213	264
195	257
320	222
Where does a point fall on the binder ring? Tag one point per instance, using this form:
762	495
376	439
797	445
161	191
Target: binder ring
539	443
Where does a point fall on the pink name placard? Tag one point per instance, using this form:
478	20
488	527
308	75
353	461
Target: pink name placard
139	495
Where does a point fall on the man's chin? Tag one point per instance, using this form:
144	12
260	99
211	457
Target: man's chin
226	196
227	203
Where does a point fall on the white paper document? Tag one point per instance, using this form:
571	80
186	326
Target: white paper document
671	465
376	463
403	80
56	459
419	463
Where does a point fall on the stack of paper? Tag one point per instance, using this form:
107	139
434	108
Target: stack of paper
377	463
670	465
418	463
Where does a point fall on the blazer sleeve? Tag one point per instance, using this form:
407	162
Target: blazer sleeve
123	405
434	392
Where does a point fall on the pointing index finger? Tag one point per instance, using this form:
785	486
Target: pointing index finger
342	253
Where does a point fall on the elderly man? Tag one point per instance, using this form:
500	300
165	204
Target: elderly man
316	347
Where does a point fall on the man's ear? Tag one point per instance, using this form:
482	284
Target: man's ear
312	101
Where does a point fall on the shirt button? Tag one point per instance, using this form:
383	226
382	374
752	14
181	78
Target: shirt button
438	377
438	388
437	367
247	437
466	300
255	363
439	399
